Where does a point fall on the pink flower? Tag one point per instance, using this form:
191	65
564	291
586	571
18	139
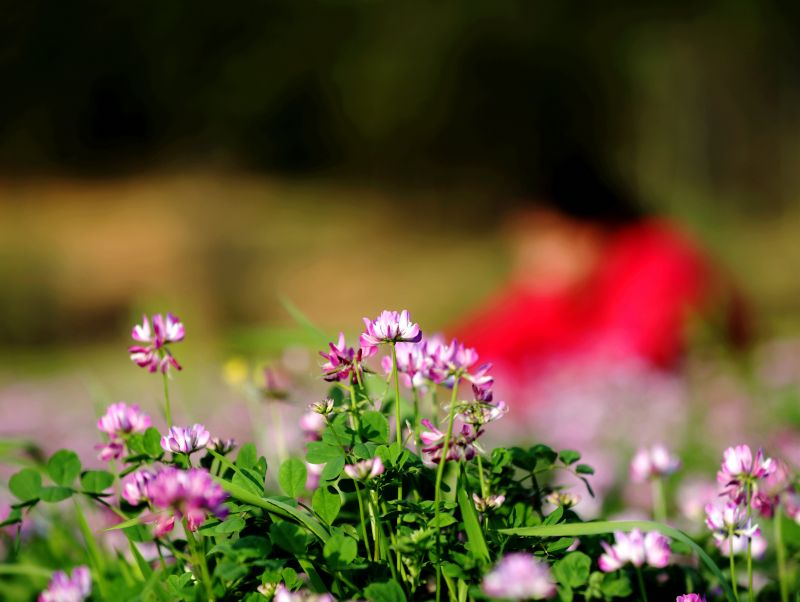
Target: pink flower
483	409
281	594
636	548
134	486
62	588
729	520
192	494
365	470
313	475
412	362
221	446
653	463
111	450
185	440
153	353
388	327
121	419
461	446
519	576
690	598
313	425
693	495
343	362
739	469
772	490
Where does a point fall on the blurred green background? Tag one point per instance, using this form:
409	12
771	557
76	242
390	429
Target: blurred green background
210	158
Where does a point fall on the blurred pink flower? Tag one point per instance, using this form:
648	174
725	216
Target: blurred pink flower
389	327
730	520
652	462
772	489
191	494
62	588
185	440
122	419
312	424
519	576
134	486
637	548
693	495
365	470
690	598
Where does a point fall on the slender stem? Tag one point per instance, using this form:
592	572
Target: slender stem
354	421
659	502
641	583
92	549
415	424
734	584
399	433
751	593
160	555
484	491
781	551
167	406
199	560
439	474
363	520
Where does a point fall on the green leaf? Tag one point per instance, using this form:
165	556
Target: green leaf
292	477
388	591
248	456
227	570
555	516
288	536
333	469
584	469
326	502
54	494
26	484
96	481
249	479
472	527
374	427
63	467
135	443
569	456
339	551
616	586
322	453
252	546
444	521
233	524
544	454
572	570
152	442
605	527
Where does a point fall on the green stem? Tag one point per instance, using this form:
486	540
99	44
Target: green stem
354	421
415	395
734	584
641	583
92	549
363	519
399	433
439	474
751	593
781	551
484	491
199	560
167	406
659	502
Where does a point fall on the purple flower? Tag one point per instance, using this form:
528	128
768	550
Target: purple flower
185	440
483	409
740	469
343	362
461	446
121	419
153	353
636	548
690	598
281	594
365	470
192	494
62	588
221	446
389	327
134	486
519	576
111	450
313	425
653	462
727	521
772	490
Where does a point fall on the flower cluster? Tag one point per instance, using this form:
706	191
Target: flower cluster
740	471
119	421
460	447
731	528
191	494
63	588
636	548
343	363
188	440
388	327
153	352
519	576
653	462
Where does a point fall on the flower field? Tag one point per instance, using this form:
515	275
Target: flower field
396	491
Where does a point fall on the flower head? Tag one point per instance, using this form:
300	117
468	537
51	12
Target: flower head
121	419
63	588
461	445
729	520
282	594
739	468
313	425
221	446
192	494
388	327
690	598
365	470
564	499
636	548
519	576
152	352
489	503
342	362
323	408
134	486
483	409
653	462
772	489
185	440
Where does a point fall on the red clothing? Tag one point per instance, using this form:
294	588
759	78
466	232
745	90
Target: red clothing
634	305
